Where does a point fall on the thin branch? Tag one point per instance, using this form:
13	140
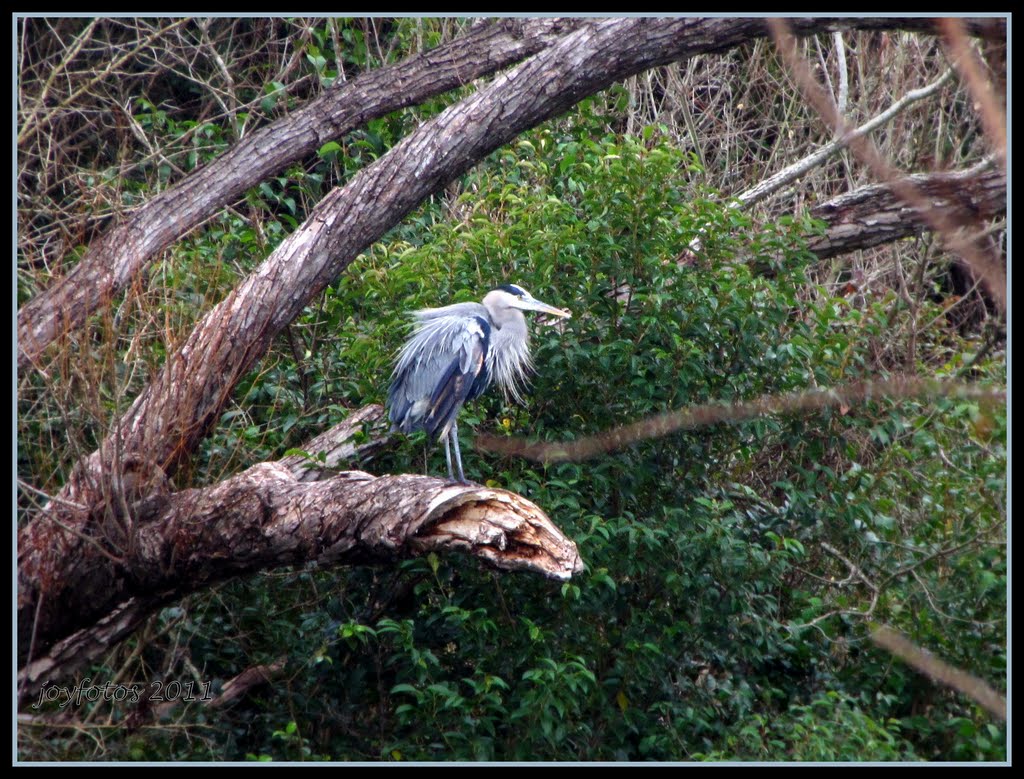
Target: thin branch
65	61
791	173
844	80
804	402
51	518
855	574
935	607
940	671
61	501
339	447
855	571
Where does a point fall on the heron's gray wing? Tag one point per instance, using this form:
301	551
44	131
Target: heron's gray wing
439	367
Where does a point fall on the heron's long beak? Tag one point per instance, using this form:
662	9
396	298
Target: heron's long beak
532	304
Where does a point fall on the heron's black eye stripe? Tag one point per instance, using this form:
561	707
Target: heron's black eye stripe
512	289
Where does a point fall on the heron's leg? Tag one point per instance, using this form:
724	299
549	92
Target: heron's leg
454	433
448	455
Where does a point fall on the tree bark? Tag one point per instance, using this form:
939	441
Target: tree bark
265	518
874	215
117	257
338	445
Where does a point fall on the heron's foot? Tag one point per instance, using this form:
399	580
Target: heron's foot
465	482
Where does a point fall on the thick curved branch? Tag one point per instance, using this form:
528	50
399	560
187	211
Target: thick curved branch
115	258
265	518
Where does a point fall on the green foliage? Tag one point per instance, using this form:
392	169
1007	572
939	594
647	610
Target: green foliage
704	627
829	729
712	621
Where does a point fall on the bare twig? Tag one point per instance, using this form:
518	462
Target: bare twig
856	574
791	173
855	571
844	81
30	125
70	504
40	102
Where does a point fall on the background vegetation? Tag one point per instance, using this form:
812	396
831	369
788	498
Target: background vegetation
733	572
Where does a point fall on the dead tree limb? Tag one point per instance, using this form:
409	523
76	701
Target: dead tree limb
240	685
264	518
876	214
342	444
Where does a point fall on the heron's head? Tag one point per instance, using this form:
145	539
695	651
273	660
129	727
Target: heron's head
515	297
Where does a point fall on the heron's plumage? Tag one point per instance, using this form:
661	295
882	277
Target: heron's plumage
441	366
453	355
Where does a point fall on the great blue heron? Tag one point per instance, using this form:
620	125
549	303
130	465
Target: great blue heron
454	354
